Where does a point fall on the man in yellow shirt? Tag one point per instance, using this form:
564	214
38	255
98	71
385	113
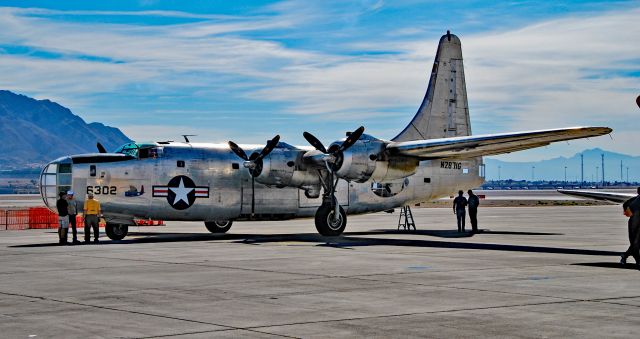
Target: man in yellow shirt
92	214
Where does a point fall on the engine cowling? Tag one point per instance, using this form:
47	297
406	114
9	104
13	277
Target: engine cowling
282	167
359	161
367	159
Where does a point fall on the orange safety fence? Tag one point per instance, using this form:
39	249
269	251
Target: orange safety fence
43	218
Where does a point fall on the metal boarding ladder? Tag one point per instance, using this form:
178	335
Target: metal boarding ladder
407	223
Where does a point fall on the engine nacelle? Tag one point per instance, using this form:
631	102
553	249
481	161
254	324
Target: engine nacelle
394	168
359	161
282	168
367	159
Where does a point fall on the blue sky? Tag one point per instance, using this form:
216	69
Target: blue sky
246	70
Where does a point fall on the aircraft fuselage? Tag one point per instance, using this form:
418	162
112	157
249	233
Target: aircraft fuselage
207	182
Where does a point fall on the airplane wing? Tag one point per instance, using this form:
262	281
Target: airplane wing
490	144
599	195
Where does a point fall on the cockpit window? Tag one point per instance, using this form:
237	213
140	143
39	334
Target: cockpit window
129	149
141	151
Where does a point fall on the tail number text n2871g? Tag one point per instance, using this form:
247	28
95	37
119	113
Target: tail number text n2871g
450	165
104	190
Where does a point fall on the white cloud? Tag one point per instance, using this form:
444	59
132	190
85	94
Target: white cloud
543	75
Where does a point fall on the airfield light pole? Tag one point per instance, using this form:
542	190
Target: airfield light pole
602	156
565	174
627	174
499	167
597	173
581	169
533	173
621	177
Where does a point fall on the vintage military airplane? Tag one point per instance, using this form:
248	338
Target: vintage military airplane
433	157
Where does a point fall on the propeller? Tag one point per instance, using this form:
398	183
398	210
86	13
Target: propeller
334	152
638	101
101	148
333	156
254	162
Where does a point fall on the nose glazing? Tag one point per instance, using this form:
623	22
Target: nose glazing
54	178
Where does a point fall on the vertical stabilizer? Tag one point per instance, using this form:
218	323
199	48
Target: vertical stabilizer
444	111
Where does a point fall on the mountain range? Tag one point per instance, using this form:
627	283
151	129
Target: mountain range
553	169
34	132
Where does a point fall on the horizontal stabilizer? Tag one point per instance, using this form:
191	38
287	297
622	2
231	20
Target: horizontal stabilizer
599	195
489	144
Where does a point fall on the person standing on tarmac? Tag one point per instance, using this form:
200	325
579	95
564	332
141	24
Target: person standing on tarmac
633	206
459	204
63	218
92	214
474	202
73	213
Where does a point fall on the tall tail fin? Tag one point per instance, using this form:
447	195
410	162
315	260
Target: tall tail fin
444	111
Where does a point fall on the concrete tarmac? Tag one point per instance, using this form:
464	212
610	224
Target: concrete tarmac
534	272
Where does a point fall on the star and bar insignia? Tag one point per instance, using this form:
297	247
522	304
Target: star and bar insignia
181	192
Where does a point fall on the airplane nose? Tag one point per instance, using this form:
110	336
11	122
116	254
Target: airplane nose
55	177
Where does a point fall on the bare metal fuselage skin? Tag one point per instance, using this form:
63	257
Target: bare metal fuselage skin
139	187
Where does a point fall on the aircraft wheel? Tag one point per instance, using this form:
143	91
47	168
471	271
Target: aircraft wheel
326	224
116	231
218	226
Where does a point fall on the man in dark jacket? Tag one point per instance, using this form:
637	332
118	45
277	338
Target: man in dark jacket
474	202
633	204
459	204
73	214
63	218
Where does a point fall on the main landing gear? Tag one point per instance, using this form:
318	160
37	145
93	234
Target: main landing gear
330	223
116	231
331	219
218	226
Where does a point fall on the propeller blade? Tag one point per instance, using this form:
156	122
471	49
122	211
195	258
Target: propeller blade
238	151
271	144
314	142
352	138
101	148
638	101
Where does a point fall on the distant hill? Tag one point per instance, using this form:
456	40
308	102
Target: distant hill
553	169
33	132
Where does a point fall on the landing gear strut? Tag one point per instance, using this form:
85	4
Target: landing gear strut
331	219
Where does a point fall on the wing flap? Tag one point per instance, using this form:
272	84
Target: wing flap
490	144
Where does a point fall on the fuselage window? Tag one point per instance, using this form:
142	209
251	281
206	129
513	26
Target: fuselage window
92	170
143	153
152	153
180	163
64	168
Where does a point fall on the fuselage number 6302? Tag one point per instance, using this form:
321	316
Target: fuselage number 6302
110	190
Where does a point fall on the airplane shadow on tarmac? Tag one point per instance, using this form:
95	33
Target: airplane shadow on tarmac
349	240
449	233
608	265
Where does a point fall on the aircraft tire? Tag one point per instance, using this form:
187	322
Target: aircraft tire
116	231
218	226
325	225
